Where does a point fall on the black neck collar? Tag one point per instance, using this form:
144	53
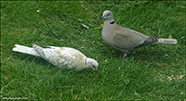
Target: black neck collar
112	22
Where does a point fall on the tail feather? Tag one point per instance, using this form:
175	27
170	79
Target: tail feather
167	41
25	49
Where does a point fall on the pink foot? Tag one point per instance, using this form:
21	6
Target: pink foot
124	55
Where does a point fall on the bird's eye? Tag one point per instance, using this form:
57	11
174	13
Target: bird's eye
93	66
108	14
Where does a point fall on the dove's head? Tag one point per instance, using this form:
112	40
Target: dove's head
107	15
93	64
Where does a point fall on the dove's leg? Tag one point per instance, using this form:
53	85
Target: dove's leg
124	55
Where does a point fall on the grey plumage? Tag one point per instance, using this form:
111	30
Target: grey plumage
125	39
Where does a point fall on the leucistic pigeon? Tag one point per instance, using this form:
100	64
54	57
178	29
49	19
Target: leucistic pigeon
60	56
125	39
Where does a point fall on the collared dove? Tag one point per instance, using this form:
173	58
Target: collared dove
125	39
60	56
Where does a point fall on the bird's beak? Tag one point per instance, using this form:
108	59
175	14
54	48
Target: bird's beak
96	71
102	17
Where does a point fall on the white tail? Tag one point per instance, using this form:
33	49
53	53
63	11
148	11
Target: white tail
167	41
25	49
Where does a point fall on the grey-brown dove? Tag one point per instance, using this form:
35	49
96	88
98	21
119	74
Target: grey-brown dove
60	56
125	39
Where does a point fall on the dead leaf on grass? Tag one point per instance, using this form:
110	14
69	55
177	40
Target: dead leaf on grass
35	95
170	37
6	77
75	97
43	71
100	24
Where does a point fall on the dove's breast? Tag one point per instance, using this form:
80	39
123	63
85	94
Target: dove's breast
107	34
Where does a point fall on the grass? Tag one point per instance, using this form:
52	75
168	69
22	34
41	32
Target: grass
155	72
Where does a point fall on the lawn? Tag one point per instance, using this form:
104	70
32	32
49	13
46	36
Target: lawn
155	72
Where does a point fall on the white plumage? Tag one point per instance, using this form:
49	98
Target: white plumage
60	56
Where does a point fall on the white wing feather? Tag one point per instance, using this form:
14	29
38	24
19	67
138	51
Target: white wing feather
59	56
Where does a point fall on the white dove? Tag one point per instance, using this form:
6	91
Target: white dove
60	56
125	39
